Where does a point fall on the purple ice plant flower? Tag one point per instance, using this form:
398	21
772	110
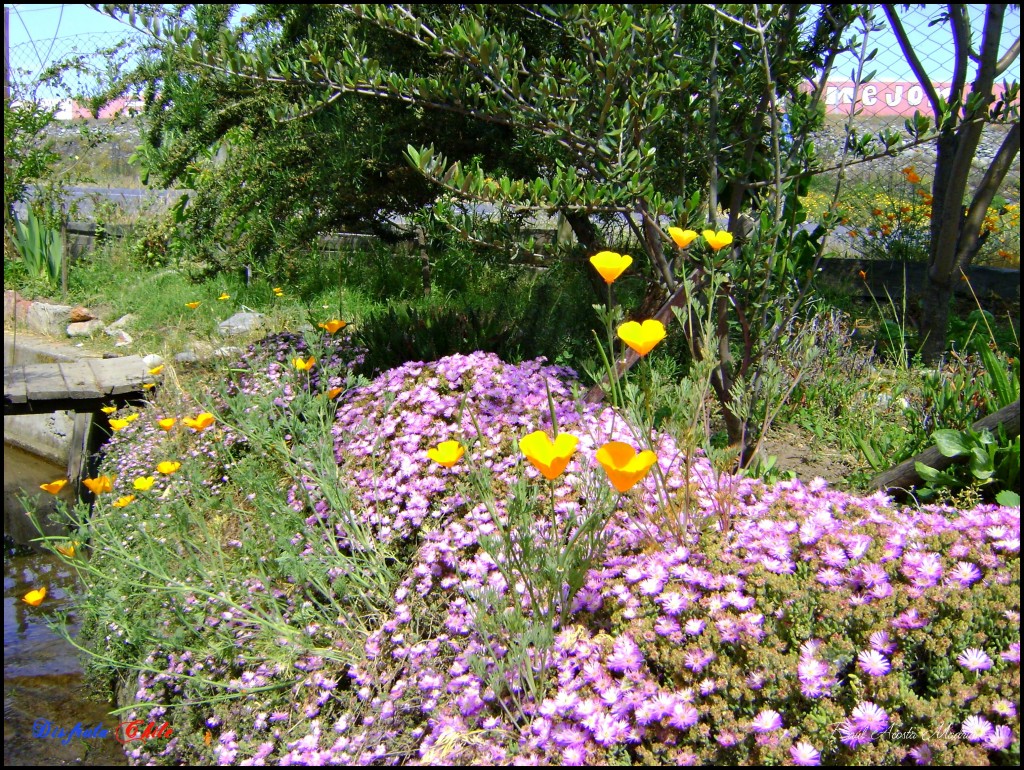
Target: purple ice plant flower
804	754
626	656
1000	739
976	729
870	717
873	663
766	721
974	659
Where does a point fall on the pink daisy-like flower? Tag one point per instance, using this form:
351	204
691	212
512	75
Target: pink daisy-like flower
880	641
965	573
922	754
683	715
1004	708
909	620
1012	655
869	716
694	627
804	754
976	729
974	659
1000	739
852	736
873	663
626	656
766	721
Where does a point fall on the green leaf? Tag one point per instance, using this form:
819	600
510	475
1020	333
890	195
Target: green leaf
1009	498
950	442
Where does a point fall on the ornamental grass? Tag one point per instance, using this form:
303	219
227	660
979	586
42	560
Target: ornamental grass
319	584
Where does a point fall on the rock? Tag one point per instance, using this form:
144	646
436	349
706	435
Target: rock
241	323
48	319
227	352
121	337
120	323
80	314
152	360
84	328
186	357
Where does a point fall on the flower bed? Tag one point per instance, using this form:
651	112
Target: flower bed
804	626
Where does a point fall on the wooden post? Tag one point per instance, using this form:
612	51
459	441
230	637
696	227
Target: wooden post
905	475
421	238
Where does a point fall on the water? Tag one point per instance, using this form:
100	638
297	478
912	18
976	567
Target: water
42	672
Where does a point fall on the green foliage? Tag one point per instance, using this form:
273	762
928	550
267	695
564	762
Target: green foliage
41	247
400	333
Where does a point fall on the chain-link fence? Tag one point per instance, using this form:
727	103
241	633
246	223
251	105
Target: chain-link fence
886	202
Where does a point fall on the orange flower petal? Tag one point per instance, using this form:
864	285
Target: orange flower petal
547	456
447	453
333	325
54	486
717	240
35	598
683	238
623	465
610	264
99	485
642	337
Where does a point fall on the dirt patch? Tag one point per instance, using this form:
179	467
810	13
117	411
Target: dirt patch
799	451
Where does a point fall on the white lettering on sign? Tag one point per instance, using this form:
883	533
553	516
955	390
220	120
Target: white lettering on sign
915	95
894	97
870	95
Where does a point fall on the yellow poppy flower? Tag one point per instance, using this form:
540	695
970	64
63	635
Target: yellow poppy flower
193	305
623	465
54	486
547	456
144	483
116	425
225	295
447	453
683	238
166	423
121	502
148	385
108	409
132	417
99	485
333	393
156	370
610	264
718	240
642	337
304	366
35	598
167	467
68	549
278	291
333	325
201	421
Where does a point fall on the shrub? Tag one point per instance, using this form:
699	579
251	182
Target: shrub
342	625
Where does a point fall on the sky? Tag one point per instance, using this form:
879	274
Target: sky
54	30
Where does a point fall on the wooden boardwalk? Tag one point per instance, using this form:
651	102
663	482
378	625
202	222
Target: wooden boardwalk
79	386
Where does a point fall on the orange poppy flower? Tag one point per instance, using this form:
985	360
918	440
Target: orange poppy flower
547	456
35	598
642	337
333	325
683	238
166	423
99	485
54	486
447	453
304	366
623	465
121	502
610	264
718	240
201	421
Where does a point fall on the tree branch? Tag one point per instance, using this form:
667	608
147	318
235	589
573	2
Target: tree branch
911	56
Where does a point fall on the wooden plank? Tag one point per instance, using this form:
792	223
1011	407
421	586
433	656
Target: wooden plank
15	385
119	375
79	380
44	382
79	448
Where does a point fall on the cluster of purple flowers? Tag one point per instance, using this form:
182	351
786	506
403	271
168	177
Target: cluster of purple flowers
711	651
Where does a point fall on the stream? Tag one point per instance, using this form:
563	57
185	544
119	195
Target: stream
44	688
